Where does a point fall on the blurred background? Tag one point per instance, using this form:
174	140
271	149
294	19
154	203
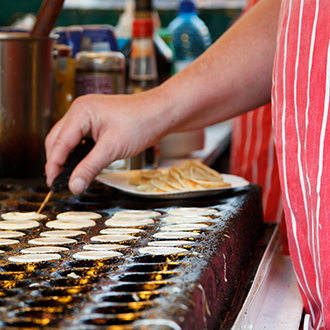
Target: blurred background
217	14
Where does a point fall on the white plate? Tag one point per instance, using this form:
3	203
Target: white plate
121	181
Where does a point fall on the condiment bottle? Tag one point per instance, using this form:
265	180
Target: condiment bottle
164	54
143	73
64	80
100	73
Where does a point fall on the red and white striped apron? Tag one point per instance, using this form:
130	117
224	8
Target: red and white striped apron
253	155
301	94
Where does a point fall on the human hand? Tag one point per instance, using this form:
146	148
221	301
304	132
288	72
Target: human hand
121	125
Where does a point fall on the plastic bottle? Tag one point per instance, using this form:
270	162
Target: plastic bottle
124	27
191	37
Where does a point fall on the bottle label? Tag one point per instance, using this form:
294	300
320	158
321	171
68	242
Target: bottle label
99	83
143	65
143	69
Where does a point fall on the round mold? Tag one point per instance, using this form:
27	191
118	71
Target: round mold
98	263
16	275
28	266
29	318
53	301
136	287
13	284
146	277
70	281
116	308
145	268
77	272
159	259
127	297
102	320
64	294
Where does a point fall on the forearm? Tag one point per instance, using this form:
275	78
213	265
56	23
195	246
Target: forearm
231	77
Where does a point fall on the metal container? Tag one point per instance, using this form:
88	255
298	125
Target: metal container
25	103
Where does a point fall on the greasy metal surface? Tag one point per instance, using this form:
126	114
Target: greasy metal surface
193	290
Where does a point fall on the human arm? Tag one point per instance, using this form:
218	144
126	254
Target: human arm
230	78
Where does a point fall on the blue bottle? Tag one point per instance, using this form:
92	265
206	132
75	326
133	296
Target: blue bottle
191	37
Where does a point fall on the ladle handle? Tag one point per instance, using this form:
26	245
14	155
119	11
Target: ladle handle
47	16
78	154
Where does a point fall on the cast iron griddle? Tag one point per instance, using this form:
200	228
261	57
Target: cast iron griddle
200	289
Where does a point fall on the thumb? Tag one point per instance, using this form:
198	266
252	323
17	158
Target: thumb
86	171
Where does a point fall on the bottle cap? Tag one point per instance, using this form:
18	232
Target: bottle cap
187	6
143	27
143	8
62	50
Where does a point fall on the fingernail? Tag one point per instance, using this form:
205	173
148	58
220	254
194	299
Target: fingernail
78	186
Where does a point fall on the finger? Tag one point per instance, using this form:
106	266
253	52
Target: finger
52	136
90	167
73	129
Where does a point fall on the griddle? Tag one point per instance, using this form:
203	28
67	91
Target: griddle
201	289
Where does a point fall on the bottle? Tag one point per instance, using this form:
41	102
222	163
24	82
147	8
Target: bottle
164	55
123	29
191	36
143	73
71	36
143	76
64	80
100	73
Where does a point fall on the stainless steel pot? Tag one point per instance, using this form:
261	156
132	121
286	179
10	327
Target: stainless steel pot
25	103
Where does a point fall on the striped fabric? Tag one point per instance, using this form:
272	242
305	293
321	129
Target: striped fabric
301	95
253	155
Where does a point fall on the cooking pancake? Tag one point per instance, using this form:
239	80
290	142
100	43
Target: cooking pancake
18	224
38	257
192	211
184	227
104	247
162	250
44	249
92	255
121	231
23	216
136	214
176	235
198	219
170	243
113	238
62	233
11	234
52	241
78	215
125	222
70	224
7	241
